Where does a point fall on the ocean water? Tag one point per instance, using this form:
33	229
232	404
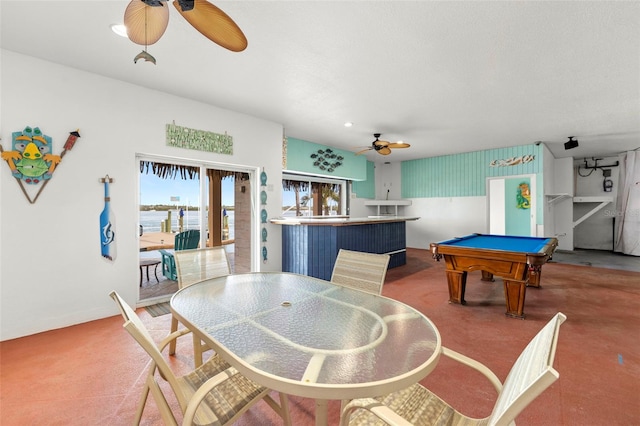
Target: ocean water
150	220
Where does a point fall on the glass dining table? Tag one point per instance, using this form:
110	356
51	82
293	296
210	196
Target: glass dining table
308	337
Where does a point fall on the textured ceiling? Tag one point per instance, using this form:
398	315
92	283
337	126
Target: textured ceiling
446	77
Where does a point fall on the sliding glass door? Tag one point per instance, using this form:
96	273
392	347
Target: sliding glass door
177	195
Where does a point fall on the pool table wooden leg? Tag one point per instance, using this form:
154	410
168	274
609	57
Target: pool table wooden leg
487	276
457	281
514	293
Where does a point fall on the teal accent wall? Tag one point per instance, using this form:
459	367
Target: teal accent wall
299	159
517	220
464	175
366	188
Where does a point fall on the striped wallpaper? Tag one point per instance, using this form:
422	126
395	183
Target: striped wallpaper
464	175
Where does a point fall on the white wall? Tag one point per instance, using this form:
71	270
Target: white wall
444	218
560	202
51	272
388	178
440	218
547	188
358	209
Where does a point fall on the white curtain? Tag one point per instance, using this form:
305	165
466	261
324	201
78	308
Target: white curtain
627	230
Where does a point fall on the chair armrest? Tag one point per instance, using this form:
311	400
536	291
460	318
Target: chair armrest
478	366
378	409
385	413
165	252
173	336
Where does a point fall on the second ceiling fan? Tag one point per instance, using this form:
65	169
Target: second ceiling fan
383	147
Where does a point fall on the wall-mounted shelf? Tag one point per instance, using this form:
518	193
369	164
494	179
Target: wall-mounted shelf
595	199
552	198
394	203
603	200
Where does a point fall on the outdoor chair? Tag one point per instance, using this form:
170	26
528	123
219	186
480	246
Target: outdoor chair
531	374
214	393
359	270
183	241
194	266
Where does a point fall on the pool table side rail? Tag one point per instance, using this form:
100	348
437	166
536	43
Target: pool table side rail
500	242
539	257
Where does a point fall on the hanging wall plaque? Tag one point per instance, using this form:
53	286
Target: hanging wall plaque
200	140
31	160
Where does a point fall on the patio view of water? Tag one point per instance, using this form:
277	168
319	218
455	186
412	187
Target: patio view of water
150	220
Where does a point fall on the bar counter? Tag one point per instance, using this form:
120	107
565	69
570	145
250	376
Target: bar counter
310	244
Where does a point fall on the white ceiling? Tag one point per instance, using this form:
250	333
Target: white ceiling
446	77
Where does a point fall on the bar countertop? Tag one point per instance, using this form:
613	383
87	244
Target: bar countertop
340	220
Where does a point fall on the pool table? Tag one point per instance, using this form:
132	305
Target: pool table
517	260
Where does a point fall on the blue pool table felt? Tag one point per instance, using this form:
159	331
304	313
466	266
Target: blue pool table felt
499	242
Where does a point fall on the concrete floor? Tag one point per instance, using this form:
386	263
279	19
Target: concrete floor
153	291
598	259
92	373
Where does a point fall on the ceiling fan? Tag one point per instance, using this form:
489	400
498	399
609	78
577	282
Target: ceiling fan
383	147
146	21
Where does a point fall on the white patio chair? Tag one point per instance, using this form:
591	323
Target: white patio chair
363	271
531	374
212	394
194	266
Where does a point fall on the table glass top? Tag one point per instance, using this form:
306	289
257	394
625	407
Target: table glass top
307	330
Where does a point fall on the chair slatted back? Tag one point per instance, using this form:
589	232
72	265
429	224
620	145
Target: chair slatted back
197	265
363	271
531	374
187	240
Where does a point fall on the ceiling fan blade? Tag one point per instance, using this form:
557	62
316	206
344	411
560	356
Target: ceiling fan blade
395	145
363	151
145	24
215	25
384	151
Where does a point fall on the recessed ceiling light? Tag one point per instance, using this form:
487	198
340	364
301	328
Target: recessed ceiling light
348	124
119	29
